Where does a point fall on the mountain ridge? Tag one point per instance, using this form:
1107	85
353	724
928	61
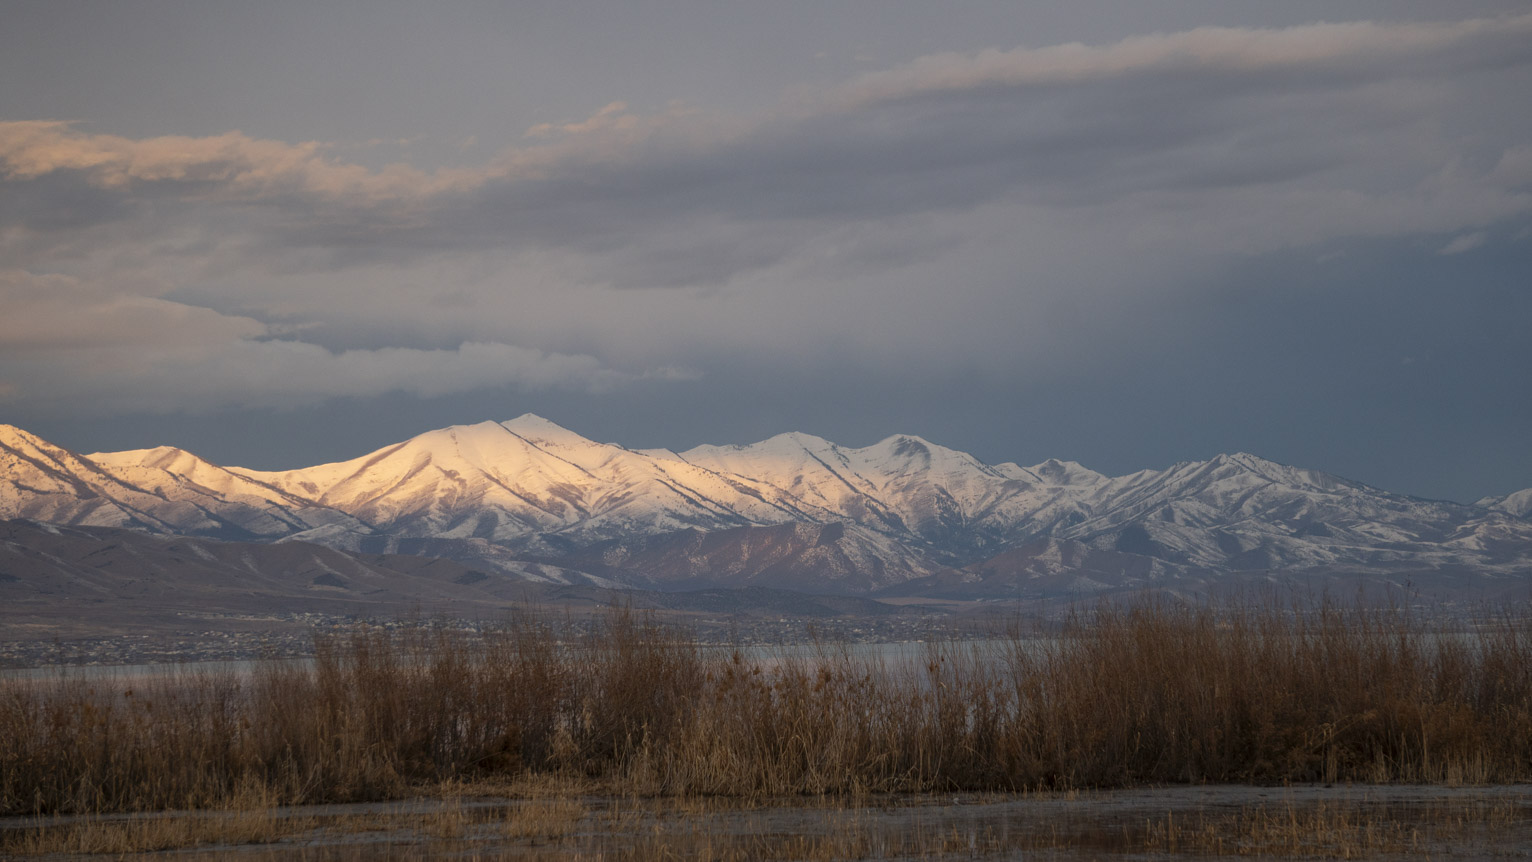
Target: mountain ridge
529	496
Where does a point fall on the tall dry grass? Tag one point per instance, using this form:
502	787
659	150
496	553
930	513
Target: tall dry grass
1154	693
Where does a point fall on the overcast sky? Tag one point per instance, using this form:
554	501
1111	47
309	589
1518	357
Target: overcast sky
284	233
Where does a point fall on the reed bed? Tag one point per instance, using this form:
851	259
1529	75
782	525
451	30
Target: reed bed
1148	694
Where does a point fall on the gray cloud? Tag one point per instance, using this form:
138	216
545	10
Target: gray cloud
103	380
1310	55
1465	243
960	209
80	348
1343	122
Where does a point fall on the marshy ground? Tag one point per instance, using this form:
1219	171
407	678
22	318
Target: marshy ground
1152	730
1212	822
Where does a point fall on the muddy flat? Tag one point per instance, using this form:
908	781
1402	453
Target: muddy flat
1205	822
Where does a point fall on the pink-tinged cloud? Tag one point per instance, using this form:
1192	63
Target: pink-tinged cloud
231	165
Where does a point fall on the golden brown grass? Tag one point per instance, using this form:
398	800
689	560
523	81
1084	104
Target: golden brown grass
1324	829
248	817
542	819
160	833
1123	696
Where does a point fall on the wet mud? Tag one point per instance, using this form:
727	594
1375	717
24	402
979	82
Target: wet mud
1204	822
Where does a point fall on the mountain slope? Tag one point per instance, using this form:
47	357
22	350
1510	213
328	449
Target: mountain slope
528	481
188	485
113	571
1518	503
1243	512
531	498
820	558
947	501
48	483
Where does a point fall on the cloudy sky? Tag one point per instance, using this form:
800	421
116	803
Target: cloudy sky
276	234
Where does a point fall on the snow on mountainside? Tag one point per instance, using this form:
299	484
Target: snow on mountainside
1518	504
47	483
1244	512
820	558
945	499
528	495
188	484
161	490
530	480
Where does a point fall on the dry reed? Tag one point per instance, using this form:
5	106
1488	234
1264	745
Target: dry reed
1326	829
1152	693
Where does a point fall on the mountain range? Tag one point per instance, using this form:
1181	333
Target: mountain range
528	501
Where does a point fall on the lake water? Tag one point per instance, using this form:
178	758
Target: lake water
907	652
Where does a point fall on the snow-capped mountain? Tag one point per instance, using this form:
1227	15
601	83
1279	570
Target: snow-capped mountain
1244	512
947	501
531	482
1518	503
531	498
47	483
200	497
157	490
